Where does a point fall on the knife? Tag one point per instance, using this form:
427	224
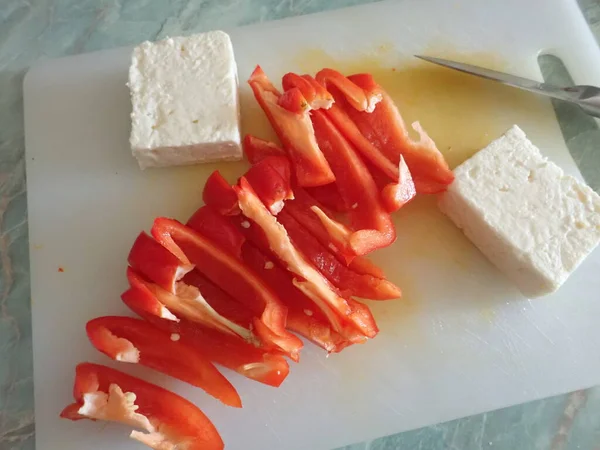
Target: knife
586	97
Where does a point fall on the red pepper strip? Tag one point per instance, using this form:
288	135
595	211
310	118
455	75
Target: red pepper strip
303	317
271	180
313	325
221	231
222	302
168	420
256	149
385	129
360	99
313	284
188	302
338	115
219	195
283	282
396	195
357	188
329	196
301	209
295	132
156	263
233	277
314	94
293	101
228	351
352	283
137	341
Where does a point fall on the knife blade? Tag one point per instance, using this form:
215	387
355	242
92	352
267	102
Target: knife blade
586	97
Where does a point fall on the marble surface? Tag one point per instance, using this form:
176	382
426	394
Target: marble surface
35	29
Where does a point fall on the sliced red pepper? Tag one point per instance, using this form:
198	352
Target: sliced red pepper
386	130
219	195
227	272
301	208
222	232
228	351
314	93
352	283
153	260
329	196
312	283
373	223
189	302
303	317
396	195
137	341
257	149
338	115
334	81
359	98
295	132
293	101
168	421
222	302
271	180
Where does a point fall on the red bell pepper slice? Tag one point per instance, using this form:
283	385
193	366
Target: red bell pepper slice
222	232
372	222
314	94
293	101
396	195
188	302
312	283
137	341
301	208
360	99
303	317
257	149
158	264
349	282
271	179
168	421
386	130
228	351
334	81
329	196
222	302
338	115
219	195
229	307
295	132
231	275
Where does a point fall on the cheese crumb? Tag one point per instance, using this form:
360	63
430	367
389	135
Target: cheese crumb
245	224
269	265
308	312
175	337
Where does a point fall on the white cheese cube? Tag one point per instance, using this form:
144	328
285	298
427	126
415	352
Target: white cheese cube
532	221
184	94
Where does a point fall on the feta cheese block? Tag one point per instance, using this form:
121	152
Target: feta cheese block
532	221
185	102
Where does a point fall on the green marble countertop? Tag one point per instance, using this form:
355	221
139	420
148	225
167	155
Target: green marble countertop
34	29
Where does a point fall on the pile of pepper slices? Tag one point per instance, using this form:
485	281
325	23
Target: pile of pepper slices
280	252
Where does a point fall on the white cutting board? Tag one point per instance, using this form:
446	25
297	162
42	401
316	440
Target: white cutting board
461	343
